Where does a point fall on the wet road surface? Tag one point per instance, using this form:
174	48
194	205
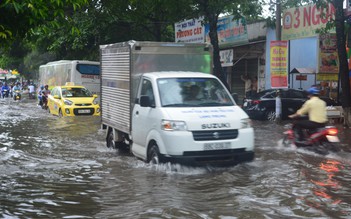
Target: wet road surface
61	168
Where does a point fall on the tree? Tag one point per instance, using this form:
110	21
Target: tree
343	65
19	16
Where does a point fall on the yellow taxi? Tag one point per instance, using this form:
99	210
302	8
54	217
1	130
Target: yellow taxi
73	100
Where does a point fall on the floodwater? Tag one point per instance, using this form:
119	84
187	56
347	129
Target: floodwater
61	168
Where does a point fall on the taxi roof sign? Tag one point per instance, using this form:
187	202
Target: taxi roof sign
69	84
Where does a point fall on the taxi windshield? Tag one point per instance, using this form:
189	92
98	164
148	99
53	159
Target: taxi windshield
76	92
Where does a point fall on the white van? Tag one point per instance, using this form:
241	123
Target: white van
171	124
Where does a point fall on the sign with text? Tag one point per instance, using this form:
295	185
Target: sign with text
229	31
328	54
279	63
304	21
190	31
327	77
226	57
301	77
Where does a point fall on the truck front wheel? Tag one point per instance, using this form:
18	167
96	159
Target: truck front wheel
154	154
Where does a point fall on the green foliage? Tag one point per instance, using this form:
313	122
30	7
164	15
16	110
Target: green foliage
74	29
19	16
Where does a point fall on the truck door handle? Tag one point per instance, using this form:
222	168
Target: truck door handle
137	112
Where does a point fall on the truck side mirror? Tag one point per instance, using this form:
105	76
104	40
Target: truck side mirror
145	101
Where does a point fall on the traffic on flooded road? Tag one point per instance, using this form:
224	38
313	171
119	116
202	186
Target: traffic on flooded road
54	167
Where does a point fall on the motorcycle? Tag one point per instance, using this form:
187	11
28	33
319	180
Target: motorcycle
320	140
5	93
17	95
44	99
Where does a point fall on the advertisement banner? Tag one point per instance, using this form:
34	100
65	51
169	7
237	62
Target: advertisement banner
328	55
190	31
304	21
279	64
3	71
226	57
229	31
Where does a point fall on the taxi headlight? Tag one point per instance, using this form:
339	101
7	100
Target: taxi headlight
68	102
171	125
95	101
245	123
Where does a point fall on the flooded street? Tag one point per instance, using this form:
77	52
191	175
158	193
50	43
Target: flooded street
61	168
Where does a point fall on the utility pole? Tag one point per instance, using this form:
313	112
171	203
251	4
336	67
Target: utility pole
278	33
278	22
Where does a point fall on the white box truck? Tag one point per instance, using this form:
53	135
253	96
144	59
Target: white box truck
160	101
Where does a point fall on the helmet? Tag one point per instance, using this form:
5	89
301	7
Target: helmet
42	87
313	91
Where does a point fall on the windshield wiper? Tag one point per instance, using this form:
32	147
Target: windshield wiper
216	104
180	105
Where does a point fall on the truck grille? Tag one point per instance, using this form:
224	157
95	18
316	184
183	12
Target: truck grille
83	111
215	135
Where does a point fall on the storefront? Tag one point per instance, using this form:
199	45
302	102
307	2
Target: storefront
312	57
247	60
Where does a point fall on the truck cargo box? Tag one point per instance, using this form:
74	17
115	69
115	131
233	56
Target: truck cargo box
122	65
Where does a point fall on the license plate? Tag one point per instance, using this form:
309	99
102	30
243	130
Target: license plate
217	146
332	138
245	104
84	111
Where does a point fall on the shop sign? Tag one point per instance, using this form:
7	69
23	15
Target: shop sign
327	77
305	21
229	31
190	31
301	77
226	57
278	64
328	55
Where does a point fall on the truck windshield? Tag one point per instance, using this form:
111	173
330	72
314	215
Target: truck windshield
193	92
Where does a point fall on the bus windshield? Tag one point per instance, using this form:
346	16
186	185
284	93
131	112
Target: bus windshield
88	69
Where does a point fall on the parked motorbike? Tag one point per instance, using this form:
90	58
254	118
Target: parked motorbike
17	95
320	140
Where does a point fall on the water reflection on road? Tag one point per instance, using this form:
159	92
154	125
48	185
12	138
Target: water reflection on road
61	168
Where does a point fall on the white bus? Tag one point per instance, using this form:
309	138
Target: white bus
80	72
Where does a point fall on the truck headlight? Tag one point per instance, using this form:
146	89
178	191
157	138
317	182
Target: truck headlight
245	123
68	102
170	125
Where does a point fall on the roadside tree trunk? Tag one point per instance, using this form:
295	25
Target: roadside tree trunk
343	64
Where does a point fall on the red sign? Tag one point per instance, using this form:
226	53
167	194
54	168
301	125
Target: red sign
301	77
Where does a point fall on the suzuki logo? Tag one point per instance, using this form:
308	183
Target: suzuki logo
215	135
215	125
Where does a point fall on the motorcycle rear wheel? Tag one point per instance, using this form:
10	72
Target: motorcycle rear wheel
331	146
